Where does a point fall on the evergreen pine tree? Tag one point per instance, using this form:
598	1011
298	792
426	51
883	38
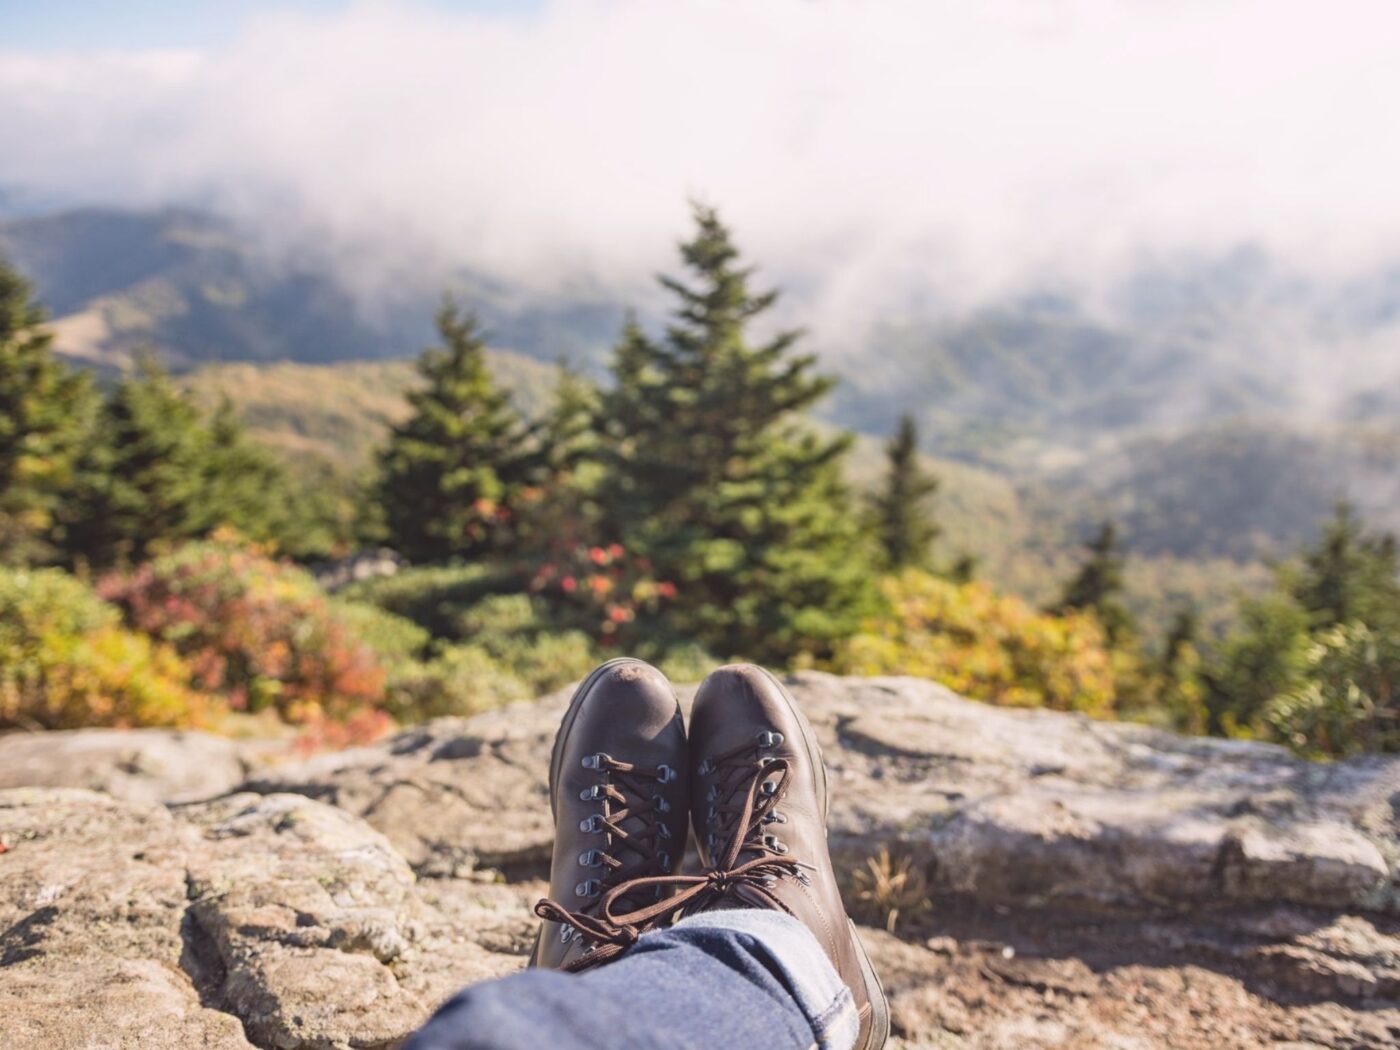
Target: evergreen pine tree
1099	583
451	473
1183	631
1181	685
141	479
899	510
248	488
45	411
565	437
710	474
1350	575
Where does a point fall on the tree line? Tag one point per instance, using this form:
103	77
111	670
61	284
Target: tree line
685	501
694	465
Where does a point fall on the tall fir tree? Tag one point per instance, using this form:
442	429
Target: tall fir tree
1181	688
248	488
46	410
452	472
142	478
710	474
1349	575
564	437
900	513
1098	585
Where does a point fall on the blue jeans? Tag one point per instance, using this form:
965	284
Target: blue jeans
721	979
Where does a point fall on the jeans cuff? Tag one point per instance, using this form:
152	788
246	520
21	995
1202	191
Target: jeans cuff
794	955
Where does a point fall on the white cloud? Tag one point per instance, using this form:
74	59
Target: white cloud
867	151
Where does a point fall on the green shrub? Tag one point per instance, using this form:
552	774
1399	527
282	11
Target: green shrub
1350	702
685	663
497	644
433	597
544	662
65	662
395	640
1263	657
461	680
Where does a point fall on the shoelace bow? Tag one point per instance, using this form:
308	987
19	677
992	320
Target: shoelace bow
626	787
741	832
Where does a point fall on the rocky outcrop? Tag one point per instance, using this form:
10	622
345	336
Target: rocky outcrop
270	921
1093	884
1010	806
154	765
92	901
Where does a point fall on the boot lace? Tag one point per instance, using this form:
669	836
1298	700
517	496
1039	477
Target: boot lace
745	859
635	846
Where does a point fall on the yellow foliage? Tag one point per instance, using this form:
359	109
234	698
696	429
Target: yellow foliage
985	645
65	662
111	677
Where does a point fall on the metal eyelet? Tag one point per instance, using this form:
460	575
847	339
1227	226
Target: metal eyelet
769	788
667	773
662	806
774	818
704	768
591	824
713	794
593	794
711	814
662	831
566	934
664	860
768	738
594	761
588	888
771	841
591	858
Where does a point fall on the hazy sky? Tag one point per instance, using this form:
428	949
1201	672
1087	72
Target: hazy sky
66	24
864	150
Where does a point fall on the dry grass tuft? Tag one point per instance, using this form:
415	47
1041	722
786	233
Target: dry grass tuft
888	887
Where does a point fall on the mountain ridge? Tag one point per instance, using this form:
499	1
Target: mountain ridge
1144	419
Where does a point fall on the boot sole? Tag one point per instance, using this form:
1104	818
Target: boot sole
565	724
874	990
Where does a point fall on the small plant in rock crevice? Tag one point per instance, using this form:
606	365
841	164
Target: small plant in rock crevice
889	887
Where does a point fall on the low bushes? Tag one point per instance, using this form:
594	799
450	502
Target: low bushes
1349	701
66	662
259	632
985	645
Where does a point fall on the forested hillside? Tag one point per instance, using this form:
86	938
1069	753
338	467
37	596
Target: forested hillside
1146	407
1159	410
689	506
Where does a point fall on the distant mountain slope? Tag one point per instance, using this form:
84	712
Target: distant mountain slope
185	284
1213	407
195	288
339	413
1242	489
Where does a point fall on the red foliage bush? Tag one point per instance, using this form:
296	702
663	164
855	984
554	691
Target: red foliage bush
254	629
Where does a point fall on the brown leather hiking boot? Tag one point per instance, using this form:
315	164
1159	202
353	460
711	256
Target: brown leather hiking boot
619	791
759	804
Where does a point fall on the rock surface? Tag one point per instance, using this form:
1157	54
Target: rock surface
150	765
1093	885
1010	806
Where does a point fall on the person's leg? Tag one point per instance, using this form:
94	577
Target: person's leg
730	978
